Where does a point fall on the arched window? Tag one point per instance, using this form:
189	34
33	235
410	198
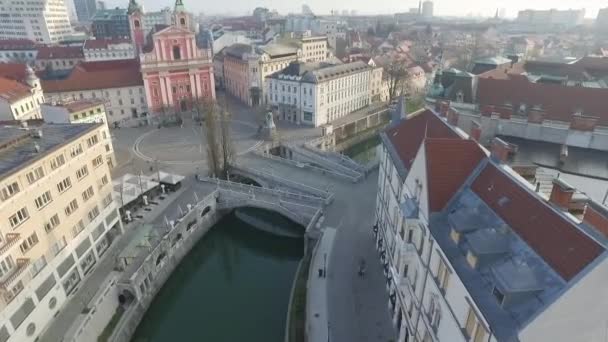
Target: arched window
182	21
177	53
136	23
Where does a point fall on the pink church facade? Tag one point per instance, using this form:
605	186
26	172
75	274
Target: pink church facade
176	73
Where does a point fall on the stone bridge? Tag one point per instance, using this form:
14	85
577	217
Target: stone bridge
274	181
298	207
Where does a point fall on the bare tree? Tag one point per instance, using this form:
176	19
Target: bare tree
220	151
397	77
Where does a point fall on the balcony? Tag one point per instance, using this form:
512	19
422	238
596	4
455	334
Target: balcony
10	239
20	266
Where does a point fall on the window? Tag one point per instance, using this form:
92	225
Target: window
92	140
82	172
57	161
71	207
19	217
455	235
75	150
474	328
177	55
10	190
443	275
98	161
471	259
35	174
28	243
499	295
43	200
93	213
88	193
6	265
64	185
104	181
52	223
79	227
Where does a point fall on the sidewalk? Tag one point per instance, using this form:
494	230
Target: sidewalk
317	324
68	314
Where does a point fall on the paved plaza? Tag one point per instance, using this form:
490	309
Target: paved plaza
356	306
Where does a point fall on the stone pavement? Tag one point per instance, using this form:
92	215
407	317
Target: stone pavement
316	311
89	286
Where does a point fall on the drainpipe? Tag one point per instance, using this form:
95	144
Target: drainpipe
428	270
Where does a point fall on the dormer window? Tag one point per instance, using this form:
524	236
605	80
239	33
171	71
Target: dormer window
499	295
522	108
460	97
471	259
455	236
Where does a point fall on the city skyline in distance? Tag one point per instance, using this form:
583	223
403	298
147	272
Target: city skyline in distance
441	7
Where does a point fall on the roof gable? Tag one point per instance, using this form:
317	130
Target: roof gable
407	136
554	238
449	162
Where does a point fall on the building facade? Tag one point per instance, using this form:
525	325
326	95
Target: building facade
21	99
314	49
176	72
58	58
18	50
108	50
317	94
85	9
46	22
118	83
552	17
111	24
59	220
601	22
471	251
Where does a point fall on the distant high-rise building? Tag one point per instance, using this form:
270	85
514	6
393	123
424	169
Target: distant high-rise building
85	9
427	9
601	23
502	13
306	10
567	18
45	22
111	24
101	5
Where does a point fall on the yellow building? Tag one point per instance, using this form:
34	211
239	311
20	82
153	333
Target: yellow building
57	218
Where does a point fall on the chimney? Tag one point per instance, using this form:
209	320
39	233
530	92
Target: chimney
452	117
443	108
475	131
487	110
596	215
561	194
499	150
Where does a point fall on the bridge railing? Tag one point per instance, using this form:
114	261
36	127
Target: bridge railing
334	165
257	189
305	165
324	194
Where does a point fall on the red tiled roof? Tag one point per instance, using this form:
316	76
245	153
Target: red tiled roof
449	162
17	44
59	52
408	135
557	240
13	71
98	75
103	43
559	102
12	90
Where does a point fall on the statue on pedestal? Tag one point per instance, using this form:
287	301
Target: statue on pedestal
269	130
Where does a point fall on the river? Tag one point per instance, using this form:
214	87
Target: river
234	285
365	151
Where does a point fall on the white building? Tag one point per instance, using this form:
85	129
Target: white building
318	93
21	100
471	252
565	18
43	22
427	9
58	220
75	111
108	50
119	83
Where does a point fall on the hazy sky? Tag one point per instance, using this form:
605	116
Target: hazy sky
442	7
